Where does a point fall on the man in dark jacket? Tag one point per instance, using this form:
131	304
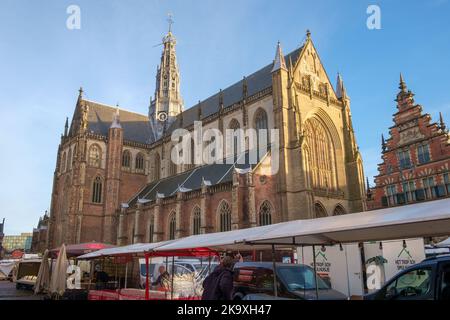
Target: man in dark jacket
219	284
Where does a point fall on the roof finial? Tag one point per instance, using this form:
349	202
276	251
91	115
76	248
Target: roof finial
199	110
221	99
441	121
308	34
116	119
279	62
80	92
170	21
340	89
383	143
402	86
66	127
244	87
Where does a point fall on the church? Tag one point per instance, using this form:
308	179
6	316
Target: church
116	182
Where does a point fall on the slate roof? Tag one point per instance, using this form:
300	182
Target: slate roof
256	82
216	173
136	127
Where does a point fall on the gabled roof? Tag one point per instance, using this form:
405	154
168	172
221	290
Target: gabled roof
136	127
256	82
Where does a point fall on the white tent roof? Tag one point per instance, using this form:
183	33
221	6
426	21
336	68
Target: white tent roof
133	249
218	241
419	220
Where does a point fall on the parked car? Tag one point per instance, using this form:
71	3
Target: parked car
294	281
427	280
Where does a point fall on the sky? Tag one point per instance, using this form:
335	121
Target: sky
114	56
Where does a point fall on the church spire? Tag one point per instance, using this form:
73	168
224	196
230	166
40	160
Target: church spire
279	62
167	103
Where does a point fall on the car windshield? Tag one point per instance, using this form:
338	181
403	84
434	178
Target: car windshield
151	269
300	278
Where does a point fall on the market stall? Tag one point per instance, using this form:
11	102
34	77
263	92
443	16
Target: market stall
426	219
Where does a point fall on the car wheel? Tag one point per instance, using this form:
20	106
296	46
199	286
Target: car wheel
238	296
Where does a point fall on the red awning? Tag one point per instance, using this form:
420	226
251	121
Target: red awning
193	252
75	250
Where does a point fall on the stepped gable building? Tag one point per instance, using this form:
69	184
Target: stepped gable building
115	181
416	157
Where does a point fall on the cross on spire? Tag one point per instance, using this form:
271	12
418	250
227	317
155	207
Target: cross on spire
170	21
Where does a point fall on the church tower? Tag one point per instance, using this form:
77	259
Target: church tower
167	103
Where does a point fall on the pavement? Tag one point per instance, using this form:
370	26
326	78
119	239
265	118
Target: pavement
8	291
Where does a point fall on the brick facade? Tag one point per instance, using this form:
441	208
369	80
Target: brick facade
315	178
416	157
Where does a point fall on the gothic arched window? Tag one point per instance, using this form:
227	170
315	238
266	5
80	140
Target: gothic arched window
319	210
265	213
224	212
69	160
339	210
151	228
94	156
191	163
172	225
139	163
261	123
321	161
157	167
126	159
196	220
172	165
63	163
97	187
234	125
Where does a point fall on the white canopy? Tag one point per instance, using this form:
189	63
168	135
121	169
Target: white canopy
419	220
425	219
133	249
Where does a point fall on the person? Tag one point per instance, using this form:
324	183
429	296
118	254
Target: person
101	279
163	278
218	285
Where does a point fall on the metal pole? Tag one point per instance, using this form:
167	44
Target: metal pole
126	274
315	273
173	269
348	275
275	289
147	289
209	263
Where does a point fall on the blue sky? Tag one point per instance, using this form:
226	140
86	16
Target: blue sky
42	65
